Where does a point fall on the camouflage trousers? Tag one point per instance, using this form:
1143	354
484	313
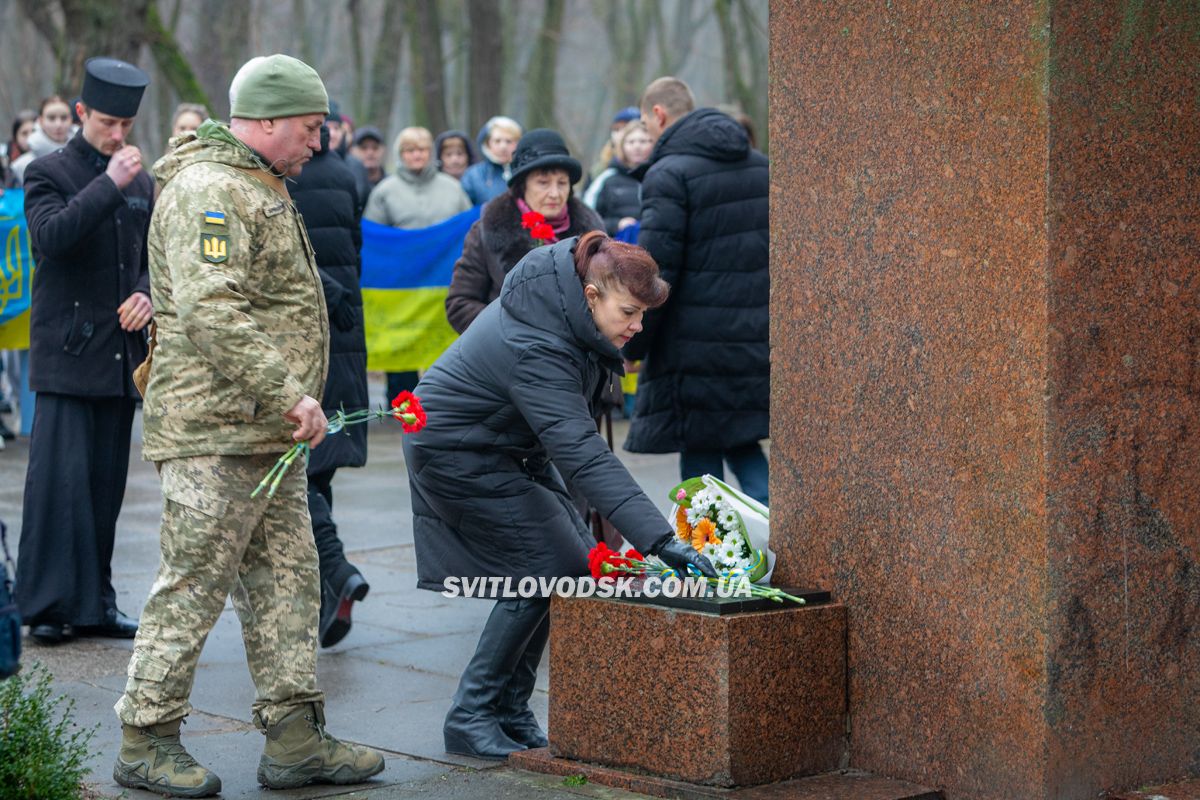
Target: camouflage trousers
216	541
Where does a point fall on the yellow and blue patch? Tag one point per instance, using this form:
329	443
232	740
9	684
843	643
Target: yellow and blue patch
214	218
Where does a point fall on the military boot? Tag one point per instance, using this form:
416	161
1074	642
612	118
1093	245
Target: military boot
299	751
153	759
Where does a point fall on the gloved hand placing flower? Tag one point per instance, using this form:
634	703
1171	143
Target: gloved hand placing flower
682	557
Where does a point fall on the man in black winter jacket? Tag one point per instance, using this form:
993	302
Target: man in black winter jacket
328	199
704	388
88	209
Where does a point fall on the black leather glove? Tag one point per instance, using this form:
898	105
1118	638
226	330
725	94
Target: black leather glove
344	315
679	555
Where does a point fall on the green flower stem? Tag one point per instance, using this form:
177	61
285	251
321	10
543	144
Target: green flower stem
643	568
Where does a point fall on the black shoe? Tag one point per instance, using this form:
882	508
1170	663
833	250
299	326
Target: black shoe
49	633
6	433
115	626
335	615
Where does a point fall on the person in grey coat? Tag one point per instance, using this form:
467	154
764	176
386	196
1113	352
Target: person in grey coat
516	391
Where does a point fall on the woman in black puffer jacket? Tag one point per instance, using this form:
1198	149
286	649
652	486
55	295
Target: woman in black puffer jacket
514	392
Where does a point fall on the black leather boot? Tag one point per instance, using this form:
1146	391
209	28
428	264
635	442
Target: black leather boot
472	726
515	717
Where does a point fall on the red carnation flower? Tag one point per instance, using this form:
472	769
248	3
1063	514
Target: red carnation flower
406	407
531	218
542	231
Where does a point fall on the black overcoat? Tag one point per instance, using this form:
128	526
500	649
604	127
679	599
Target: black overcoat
327	197
88	241
705	383
516	390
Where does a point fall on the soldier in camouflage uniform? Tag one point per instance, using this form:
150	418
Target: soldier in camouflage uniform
242	350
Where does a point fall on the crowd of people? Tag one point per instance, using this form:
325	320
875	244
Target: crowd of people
229	272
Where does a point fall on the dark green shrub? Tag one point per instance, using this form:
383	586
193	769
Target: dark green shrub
42	753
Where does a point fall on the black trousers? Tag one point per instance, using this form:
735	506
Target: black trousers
74	487
331	556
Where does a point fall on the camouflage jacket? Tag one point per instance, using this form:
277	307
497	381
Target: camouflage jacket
243	332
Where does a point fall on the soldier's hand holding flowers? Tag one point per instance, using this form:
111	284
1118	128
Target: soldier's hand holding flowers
406	408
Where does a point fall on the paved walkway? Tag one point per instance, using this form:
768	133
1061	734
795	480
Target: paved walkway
388	683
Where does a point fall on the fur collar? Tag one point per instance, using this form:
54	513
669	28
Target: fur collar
509	242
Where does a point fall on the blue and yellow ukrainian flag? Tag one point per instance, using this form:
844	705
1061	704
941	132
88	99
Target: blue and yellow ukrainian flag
405	278
16	272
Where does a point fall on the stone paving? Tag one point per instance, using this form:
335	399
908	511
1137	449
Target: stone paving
388	683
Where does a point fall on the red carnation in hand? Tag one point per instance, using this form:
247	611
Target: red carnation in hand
542	231
634	555
406	407
531	218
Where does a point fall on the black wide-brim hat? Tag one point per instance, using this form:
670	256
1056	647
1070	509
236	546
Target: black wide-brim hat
542	148
113	87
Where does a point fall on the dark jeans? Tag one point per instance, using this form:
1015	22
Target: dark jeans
747	462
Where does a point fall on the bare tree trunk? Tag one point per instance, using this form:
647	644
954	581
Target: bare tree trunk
735	87
754	34
171	62
485	68
542	68
428	82
357	59
301	27
216	65
675	41
385	66
628	25
113	27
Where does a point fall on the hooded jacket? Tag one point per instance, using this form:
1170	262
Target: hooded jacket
515	391
493	246
407	200
242	328
440	141
327	198
89	242
705	384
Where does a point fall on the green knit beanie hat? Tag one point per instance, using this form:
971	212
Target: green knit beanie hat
270	87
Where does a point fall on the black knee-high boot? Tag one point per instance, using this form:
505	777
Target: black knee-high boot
515	717
473	724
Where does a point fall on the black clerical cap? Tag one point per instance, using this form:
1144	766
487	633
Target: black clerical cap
113	87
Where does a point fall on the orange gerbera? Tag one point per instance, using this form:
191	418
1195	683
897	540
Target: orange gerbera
682	528
703	533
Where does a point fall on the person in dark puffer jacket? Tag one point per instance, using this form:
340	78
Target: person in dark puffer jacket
704	388
327	197
519	388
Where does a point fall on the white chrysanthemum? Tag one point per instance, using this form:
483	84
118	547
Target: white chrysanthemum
744	563
694	515
709	550
730	552
728	518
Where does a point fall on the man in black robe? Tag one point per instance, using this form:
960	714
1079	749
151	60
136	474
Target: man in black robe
88	211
